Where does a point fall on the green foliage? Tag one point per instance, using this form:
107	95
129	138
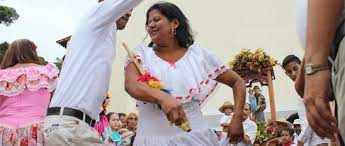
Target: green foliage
265	132
58	62
3	48
42	60
7	15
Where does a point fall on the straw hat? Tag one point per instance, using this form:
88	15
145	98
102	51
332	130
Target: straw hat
284	122
226	104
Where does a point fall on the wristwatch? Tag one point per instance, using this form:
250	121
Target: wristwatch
314	68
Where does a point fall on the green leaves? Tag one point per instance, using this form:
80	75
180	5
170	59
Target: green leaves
58	62
7	15
265	132
3	48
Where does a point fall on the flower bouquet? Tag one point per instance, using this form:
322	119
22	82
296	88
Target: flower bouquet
253	65
265	132
256	61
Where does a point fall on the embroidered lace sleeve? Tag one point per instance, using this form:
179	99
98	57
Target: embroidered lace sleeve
138	54
213	65
15	81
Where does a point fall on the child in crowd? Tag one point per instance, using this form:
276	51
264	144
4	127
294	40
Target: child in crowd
116	134
227	109
287	137
297	128
110	128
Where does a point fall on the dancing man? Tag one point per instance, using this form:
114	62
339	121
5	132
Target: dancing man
85	75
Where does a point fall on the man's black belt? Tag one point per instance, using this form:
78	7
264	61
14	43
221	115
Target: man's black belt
71	112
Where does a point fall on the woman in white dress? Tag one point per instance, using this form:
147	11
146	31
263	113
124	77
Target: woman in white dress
190	72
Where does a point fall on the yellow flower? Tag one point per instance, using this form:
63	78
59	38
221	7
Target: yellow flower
244	50
232	63
258	50
272	61
155	84
261	55
250	55
109	95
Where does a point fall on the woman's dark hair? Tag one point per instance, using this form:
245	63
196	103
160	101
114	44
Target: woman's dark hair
109	115
290	58
292	117
20	51
171	11
122	114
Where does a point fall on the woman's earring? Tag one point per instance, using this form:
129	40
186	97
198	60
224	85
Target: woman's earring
173	30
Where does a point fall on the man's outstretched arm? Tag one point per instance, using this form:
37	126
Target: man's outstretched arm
109	11
323	17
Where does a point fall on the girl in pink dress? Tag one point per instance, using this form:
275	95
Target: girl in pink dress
25	91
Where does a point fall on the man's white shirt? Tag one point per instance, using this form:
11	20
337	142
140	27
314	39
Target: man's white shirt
85	75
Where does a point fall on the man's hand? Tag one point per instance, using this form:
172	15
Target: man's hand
235	130
319	114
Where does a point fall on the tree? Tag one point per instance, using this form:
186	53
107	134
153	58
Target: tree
3	48
42	60
7	15
58	62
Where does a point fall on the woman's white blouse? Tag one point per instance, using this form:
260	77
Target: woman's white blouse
189	78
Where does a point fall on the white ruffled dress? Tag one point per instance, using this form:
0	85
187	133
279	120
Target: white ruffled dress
191	81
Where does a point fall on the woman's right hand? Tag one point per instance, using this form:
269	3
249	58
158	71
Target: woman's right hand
173	110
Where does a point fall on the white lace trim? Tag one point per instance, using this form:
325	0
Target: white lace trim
207	86
15	81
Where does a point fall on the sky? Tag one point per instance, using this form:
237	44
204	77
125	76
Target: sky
44	22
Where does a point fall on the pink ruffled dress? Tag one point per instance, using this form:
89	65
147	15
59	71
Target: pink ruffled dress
24	99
